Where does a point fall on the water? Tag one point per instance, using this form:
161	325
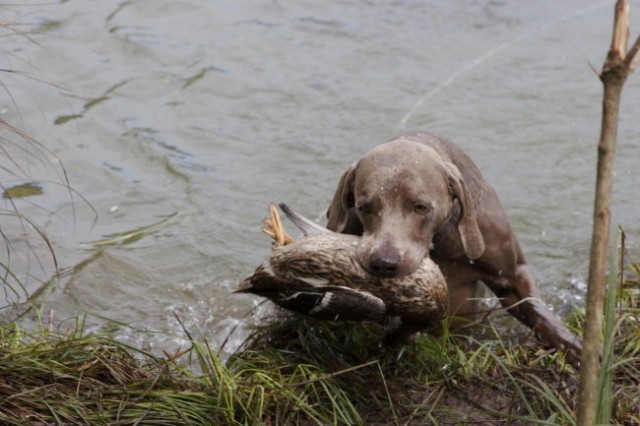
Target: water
189	117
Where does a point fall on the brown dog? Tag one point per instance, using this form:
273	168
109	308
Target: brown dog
419	195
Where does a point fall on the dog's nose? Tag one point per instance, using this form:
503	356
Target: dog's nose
384	264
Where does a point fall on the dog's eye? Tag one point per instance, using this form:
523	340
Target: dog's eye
421	208
364	208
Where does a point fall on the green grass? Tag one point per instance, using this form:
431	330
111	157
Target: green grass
299	371
296	370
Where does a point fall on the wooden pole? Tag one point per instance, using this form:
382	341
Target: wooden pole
618	65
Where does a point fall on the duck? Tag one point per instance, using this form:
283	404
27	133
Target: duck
319	275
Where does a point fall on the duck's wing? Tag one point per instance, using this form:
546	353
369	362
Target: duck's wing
328	302
306	225
333	303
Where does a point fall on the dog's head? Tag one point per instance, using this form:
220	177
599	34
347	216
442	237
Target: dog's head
399	197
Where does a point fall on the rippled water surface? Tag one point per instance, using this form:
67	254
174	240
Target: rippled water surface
178	121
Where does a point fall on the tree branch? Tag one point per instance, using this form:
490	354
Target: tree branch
617	66
620	37
633	56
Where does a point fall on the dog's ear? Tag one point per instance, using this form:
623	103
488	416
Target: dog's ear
341	211
472	239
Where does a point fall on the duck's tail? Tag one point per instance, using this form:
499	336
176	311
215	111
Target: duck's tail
305	225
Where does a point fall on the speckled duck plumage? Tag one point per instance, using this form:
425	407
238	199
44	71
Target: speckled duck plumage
319	275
